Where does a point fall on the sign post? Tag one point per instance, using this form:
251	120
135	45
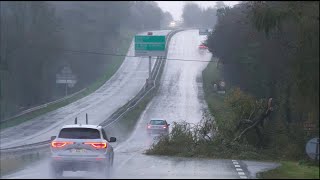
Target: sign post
149	67
150	34
149	45
66	77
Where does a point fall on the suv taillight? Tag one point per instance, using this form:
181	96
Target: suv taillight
59	144
98	145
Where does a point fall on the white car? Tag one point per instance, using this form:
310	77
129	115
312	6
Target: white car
81	148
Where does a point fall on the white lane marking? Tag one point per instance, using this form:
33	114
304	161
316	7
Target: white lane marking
239	170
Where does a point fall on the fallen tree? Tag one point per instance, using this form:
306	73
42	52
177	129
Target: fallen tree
256	123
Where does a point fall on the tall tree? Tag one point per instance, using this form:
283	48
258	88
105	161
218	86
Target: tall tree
192	15
166	19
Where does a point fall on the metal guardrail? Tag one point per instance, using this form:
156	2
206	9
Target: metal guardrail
26	146
113	118
42	106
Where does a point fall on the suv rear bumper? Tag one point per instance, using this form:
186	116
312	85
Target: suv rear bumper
79	164
157	131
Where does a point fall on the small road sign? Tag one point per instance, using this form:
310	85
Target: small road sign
203	32
309	126
66	77
312	148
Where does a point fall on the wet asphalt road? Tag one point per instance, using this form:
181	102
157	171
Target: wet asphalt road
180	97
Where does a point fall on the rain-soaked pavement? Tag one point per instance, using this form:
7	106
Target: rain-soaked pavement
180	97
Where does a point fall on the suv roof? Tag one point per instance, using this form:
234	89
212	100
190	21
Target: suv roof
82	126
157	119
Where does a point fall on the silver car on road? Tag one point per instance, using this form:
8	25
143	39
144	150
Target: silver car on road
157	126
81	148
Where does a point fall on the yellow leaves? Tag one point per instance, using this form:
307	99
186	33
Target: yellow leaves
244	105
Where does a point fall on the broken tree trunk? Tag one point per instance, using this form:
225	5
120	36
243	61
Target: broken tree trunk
259	120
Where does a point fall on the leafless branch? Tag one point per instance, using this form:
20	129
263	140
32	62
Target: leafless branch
262	117
254	109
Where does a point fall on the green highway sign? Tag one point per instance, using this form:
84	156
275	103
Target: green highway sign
148	45
152	39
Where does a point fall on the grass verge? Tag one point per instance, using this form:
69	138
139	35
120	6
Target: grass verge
114	64
291	170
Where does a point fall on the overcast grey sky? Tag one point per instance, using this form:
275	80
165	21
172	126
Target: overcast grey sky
175	7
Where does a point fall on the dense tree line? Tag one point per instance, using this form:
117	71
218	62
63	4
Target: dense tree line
271	49
195	16
37	39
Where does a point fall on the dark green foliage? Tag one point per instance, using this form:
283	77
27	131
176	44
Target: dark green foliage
271	49
194	16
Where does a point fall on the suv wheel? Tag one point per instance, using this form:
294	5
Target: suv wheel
112	160
107	171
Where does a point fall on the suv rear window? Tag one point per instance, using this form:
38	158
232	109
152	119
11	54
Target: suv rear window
157	122
79	133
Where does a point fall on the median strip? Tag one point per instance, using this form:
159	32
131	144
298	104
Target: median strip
127	116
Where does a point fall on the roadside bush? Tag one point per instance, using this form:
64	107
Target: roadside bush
212	137
194	140
179	141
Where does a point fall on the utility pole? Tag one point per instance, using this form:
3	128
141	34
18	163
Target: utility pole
66	88
3	63
150	67
149	79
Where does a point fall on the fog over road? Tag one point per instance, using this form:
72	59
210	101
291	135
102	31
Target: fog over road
180	97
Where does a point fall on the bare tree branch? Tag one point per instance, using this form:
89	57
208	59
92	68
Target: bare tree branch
262	117
247	121
254	109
